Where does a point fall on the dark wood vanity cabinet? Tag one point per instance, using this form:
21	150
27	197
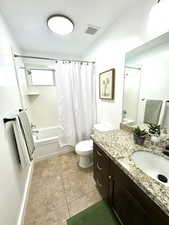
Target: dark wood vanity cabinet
128	208
124	199
129	202
101	171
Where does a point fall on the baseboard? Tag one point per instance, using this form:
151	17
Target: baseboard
25	196
61	152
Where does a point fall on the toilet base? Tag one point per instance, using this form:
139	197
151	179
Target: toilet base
85	161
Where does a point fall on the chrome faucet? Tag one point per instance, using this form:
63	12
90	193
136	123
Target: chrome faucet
34	129
33	126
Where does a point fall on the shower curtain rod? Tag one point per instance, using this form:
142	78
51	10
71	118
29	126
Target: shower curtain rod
53	59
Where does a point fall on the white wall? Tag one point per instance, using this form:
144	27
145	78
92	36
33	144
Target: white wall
43	107
129	31
13	178
22	86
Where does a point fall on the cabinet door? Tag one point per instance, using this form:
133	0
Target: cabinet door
131	202
101	171
128	208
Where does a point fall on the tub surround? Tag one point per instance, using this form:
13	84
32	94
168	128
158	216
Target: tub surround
119	146
47	142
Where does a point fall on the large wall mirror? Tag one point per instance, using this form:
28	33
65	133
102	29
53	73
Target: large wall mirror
146	84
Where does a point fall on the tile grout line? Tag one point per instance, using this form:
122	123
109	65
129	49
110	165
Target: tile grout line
93	189
68	203
65	195
83	195
63	186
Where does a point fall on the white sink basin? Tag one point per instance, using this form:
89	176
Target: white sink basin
152	164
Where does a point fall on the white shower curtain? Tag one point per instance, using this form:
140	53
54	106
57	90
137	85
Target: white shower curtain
76	100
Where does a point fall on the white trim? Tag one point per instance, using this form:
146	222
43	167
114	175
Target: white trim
25	195
47	156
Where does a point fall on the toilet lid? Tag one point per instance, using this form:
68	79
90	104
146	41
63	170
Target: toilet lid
85	145
103	127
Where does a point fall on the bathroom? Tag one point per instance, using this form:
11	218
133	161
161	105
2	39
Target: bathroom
82	131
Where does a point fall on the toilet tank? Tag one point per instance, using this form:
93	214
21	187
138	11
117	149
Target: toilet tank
102	127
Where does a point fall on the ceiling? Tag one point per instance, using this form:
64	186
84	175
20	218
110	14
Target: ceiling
27	21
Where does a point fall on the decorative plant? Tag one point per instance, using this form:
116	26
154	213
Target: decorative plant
138	132
154	129
139	136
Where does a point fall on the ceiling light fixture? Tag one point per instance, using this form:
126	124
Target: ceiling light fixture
60	24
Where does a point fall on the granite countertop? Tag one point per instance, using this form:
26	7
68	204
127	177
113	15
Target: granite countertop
119	146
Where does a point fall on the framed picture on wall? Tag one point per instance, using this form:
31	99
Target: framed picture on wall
107	84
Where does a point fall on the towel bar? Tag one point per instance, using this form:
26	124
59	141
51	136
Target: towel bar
6	120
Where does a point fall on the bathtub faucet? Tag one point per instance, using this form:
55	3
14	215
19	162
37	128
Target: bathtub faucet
33	126
34	131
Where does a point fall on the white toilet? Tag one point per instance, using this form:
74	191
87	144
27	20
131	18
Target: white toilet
85	148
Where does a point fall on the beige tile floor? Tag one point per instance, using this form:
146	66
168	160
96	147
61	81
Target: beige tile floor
59	190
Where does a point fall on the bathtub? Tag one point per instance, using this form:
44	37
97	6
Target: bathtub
47	142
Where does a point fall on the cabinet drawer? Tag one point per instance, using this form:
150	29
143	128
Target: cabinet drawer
98	152
101	162
100	156
102	185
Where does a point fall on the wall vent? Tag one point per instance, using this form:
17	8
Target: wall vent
91	30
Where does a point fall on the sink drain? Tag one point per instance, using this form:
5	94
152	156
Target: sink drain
162	178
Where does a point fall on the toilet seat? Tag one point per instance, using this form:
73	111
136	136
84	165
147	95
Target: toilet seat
84	146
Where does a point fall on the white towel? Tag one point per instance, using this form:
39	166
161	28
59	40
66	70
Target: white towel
152	111
27	133
165	122
163	111
21	145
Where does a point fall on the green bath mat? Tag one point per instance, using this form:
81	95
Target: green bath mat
98	214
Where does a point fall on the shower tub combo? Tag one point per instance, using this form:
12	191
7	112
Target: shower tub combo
47	142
